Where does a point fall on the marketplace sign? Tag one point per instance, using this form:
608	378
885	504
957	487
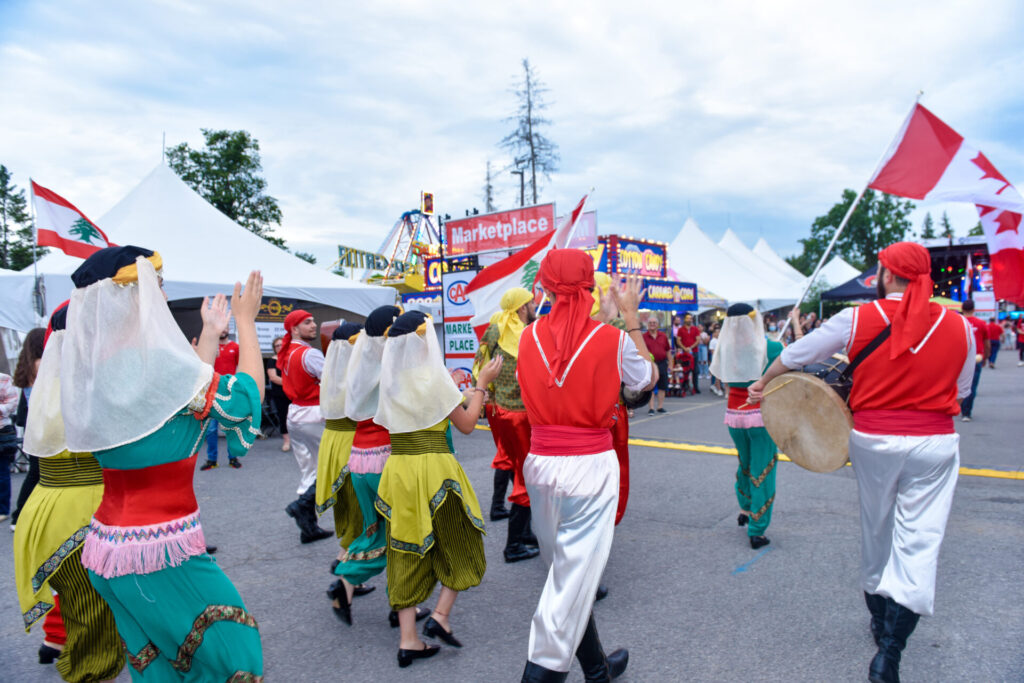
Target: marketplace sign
512	229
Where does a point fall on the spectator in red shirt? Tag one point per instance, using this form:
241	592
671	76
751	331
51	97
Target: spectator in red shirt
226	364
982	345
995	338
1018	327
687	339
658	345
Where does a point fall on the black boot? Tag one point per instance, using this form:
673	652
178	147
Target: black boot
303	511
515	550
498	509
596	667
897	626
526	535
876	605
535	673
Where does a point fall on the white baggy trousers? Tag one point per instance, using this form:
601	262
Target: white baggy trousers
572	500
906	486
306	428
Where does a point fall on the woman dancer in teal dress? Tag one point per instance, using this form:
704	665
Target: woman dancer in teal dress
135	394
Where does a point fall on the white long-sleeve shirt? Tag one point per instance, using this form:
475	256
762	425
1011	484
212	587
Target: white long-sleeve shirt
836	334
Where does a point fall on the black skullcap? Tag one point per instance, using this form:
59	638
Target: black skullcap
406	323
105	263
346	330
380	319
59	317
739	309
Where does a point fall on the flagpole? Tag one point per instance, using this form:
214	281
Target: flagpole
568	240
846	219
37	293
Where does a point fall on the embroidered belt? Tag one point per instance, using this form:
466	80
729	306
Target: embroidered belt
341	424
121	550
566	440
81	469
418	443
148	496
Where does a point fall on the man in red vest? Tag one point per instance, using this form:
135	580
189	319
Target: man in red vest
570	369
904	450
301	366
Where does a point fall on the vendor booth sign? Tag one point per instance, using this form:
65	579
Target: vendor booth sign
665	295
434	267
629	256
459	339
429	303
512	229
270	320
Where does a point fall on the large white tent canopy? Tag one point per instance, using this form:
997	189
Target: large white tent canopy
764	251
204	252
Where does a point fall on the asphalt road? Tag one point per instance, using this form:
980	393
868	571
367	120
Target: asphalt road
689	598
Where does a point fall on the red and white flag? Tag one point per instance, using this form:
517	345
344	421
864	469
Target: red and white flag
59	224
928	160
518	270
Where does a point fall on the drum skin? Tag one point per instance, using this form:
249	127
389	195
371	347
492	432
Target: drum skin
808	421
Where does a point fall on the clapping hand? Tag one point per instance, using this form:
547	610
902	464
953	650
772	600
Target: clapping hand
245	304
628	293
215	314
489	372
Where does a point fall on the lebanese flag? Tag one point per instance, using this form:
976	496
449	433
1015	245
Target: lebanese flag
59	224
1006	252
518	270
930	161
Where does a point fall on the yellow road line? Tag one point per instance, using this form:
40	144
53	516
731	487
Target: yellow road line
723	450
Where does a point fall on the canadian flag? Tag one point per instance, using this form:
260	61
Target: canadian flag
930	161
518	270
59	224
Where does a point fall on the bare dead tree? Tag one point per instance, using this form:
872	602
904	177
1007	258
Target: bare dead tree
488	191
529	147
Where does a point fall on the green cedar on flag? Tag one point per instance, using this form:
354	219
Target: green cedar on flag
59	224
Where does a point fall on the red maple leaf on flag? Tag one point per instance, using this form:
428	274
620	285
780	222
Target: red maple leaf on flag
1007	221
989	171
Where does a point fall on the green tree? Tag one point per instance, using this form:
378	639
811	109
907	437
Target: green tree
947	227
226	173
529	147
878	221
17	239
928	227
306	256
976	231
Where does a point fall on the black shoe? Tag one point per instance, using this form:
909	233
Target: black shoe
898	624
662	410
529	540
535	673
234	463
758	541
617	662
211	549
519	552
602	592
650	411
337	592
48	654
318	535
432	629
596	667
499	513
208	465
876	605
406	657
361	590
421	613
501	480
742	520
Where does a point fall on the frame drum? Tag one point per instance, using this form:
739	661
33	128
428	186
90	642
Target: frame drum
808	421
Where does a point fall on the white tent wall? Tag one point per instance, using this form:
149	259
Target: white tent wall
205	252
16	309
764	251
768	276
836	272
696	258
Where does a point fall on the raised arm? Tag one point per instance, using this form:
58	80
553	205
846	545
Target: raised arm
245	305
215	317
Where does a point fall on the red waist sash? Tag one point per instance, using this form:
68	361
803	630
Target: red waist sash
369	434
150	495
564	440
903	422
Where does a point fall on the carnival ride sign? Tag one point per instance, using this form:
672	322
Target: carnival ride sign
511	229
367	260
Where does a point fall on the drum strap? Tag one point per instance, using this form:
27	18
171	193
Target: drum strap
847	374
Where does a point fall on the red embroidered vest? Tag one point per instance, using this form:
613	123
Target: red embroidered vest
301	388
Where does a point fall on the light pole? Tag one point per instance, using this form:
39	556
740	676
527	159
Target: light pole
522	187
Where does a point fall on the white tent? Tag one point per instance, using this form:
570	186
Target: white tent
16	310
836	272
765	273
205	252
696	258
764	251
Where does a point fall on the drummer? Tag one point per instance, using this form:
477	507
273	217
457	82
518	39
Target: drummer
904	450
742	354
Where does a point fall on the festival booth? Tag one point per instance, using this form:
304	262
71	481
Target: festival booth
205	253
859	288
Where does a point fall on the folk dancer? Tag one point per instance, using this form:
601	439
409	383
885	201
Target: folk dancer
904	449
301	366
52	529
434	523
134	393
510	425
743	353
572	472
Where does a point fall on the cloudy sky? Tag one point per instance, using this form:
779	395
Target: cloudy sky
749	115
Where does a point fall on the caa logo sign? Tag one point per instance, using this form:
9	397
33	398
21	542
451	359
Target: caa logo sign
462	377
457	293
869	281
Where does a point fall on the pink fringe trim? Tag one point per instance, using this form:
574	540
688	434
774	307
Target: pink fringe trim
118	551
368	460
743	419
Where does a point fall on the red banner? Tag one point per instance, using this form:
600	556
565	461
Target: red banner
512	229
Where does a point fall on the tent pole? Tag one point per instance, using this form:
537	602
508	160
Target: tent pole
846	218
